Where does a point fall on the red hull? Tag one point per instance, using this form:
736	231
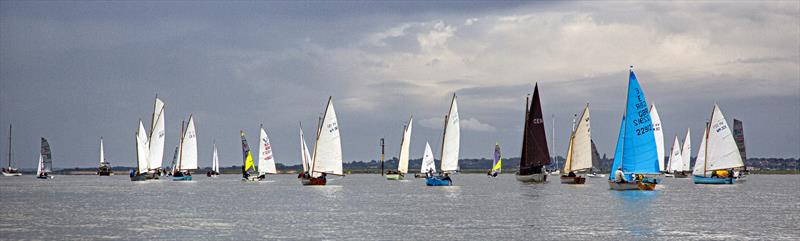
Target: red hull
314	181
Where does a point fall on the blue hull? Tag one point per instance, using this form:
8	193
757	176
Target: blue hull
183	178
713	180
436	181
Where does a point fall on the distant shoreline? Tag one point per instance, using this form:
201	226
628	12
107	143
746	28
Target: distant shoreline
84	171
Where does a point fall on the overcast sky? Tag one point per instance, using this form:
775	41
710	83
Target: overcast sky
75	71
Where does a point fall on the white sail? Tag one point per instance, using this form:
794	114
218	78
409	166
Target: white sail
721	149
215	159
188	152
427	160
157	134
305	158
581	145
659	135
452	139
328	149
686	151
700	162
402	166
102	155
266	162
142	152
675	163
40	170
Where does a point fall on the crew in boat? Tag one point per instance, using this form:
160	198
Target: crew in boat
571	174
447	177
619	176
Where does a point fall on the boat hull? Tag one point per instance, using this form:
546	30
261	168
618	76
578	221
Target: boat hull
314	181
45	177
573	180
13	174
394	177
532	178
138	178
438	181
182	178
627	186
595	175
713	180
212	174
418	175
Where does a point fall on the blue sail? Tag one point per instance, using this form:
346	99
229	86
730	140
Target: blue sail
639	153
618	151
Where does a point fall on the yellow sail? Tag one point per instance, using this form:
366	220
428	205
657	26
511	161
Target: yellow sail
498	159
248	162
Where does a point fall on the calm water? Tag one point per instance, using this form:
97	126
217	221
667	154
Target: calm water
368	207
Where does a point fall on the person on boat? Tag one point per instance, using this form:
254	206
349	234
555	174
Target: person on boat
571	174
429	173
619	176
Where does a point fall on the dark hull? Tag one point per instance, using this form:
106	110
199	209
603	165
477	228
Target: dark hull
573	180
312	181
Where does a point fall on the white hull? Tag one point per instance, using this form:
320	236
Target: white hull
538	177
12	174
595	175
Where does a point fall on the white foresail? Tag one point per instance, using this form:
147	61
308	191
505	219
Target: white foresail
40	169
402	166
188	155
452	139
675	163
142	152
582	143
215	159
328	149
700	162
427	160
102	155
304	156
659	135
722	152
686	151
157	134
266	162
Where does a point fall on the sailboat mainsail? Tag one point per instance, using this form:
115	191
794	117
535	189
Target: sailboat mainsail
659	135
617	163
327	156
686	151
535	154
187	159
451	139
497	162
579	153
738	135
40	170
9	170
47	156
427	160
102	153
157	135
405	143
215	159
700	162
266	161
247	157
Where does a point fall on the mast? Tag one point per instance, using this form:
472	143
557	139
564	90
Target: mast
441	155
9	146
180	155
523	155
555	158
382	154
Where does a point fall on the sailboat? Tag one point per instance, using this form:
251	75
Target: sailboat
659	135
266	161
497	162
738	135
595	163
214	163
248	166
402	165
535	155
428	166
45	161
142	153
187	158
305	157
579	152
155	142
636	158
451	141
10	171
718	156
675	162
327	155
105	167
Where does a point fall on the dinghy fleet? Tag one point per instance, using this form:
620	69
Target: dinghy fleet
638	163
